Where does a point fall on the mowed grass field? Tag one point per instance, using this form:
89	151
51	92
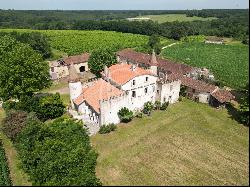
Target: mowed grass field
175	17
189	144
229	63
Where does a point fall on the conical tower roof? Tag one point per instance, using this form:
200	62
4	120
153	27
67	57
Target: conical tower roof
73	76
153	60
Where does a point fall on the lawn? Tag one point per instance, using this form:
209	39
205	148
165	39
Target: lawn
229	63
189	144
18	177
175	17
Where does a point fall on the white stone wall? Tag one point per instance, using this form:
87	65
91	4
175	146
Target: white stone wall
169	92
141	97
204	97
77	67
109	109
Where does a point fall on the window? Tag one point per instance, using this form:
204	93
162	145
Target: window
171	88
133	82
133	94
146	90
161	75
52	69
158	91
153	88
146	79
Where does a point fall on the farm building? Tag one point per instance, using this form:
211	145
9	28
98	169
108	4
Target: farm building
59	68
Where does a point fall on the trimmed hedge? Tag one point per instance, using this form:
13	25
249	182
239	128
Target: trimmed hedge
107	128
4	168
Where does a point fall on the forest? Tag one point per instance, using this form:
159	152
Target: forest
230	23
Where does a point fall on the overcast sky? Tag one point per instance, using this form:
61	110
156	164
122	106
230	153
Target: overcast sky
121	4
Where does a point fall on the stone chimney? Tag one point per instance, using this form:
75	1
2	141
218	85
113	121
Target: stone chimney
154	63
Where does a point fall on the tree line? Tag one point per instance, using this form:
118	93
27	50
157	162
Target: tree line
230	23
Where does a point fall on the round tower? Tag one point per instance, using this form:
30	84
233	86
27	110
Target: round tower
153	63
75	86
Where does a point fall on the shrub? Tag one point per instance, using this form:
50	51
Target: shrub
14	123
164	106
180	98
57	153
148	107
107	128
46	106
4	169
157	105
139	114
9	105
125	115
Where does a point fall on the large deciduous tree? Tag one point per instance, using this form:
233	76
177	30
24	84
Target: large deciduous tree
22	70
101	58
57	153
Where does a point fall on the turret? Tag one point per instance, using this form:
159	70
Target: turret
153	63
75	86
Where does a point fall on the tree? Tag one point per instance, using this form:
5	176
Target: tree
22	70
125	115
154	43
57	154
101	58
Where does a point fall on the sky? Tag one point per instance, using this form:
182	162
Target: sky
122	4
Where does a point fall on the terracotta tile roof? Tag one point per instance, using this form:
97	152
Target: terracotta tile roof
146	59
99	90
223	96
77	59
197	84
122	73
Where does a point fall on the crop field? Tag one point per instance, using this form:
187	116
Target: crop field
175	17
76	42
189	144
229	63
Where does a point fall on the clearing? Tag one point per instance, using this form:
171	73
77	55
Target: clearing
189	144
175	17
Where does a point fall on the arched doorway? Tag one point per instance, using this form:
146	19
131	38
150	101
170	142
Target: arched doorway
82	69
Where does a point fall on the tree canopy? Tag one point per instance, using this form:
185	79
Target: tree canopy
22	70
101	58
58	153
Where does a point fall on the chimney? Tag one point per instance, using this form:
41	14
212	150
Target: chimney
153	60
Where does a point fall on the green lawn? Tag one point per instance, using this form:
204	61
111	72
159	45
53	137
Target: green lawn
18	177
175	17
229	63
189	144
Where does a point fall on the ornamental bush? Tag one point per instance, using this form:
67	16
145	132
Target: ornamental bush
107	128
57	154
164	106
148	107
14	123
125	115
157	105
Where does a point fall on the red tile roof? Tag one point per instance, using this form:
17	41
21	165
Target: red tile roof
223	96
122	73
197	84
142	58
99	90
77	59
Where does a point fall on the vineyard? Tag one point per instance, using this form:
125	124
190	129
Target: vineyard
75	42
229	63
4	169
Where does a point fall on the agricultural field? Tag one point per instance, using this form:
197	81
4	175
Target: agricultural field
189	144
175	17
76	42
229	63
